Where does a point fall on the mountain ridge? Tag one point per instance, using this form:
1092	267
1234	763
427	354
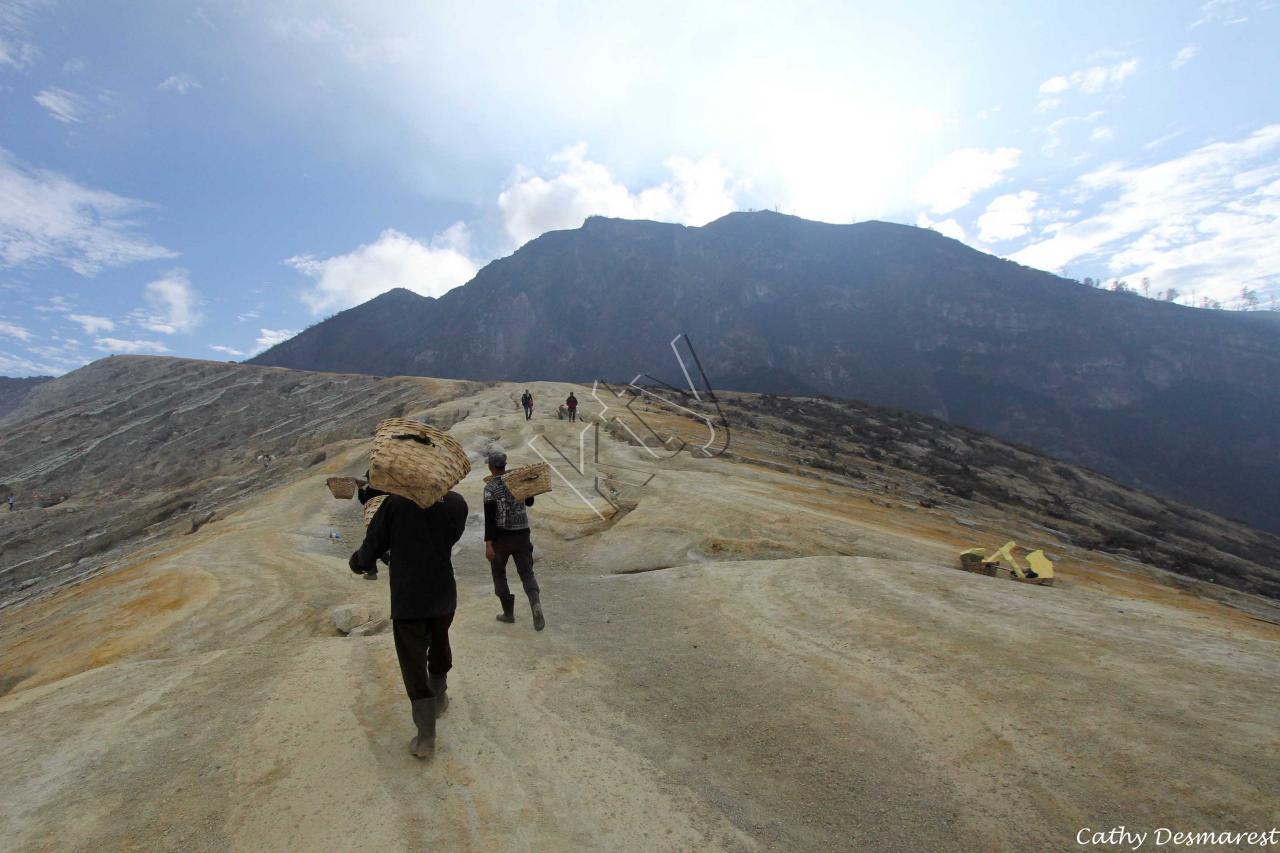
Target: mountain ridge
14	390
1164	397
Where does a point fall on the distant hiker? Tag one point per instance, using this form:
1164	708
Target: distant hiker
526	400
506	534
366	493
11	501
424	597
572	405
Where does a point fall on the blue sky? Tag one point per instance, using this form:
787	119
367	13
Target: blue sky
202	179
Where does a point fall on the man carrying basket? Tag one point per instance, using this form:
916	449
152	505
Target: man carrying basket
418	522
506	534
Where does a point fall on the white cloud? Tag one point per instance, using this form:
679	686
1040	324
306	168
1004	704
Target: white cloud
92	324
246	316
46	217
47	359
225	350
66	107
16	52
830	137
12	330
956	178
1163	140
947	227
1055	85
17	55
696	193
1225	12
268	338
55	305
116	345
1184	56
1102	134
180	83
1089	81
393	260
1206	222
13	364
814	142
1007	217
172	305
1057	128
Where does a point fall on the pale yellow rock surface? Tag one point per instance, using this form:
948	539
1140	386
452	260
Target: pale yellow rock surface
746	660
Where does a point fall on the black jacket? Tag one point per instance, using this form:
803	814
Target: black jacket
368	493
420	541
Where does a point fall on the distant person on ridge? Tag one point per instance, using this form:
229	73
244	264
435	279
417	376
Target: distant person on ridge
506	534
424	596
526	400
572	405
10	503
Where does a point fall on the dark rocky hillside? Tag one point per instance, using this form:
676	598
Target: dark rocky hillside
1179	401
931	463
14	391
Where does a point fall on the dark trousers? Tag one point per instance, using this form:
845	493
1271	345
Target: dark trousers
573	413
519	546
422	645
528	412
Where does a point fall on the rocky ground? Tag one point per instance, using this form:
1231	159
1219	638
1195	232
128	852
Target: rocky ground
131	450
746	654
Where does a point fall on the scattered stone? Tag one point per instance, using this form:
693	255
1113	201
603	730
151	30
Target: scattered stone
368	629
964	522
198	521
349	616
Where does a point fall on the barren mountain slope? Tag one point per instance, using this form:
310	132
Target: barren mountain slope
747	656
133	448
14	391
1175	400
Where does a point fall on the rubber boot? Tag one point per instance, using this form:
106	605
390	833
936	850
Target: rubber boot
424	717
439	685
508	608
535	604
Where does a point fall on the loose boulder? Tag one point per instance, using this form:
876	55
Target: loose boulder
350	616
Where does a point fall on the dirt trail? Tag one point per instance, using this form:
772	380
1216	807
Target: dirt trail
849	691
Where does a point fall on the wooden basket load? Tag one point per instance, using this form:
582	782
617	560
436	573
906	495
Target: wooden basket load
528	481
342	488
416	461
371	508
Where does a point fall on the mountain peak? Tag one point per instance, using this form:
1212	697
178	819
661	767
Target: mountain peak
400	294
878	311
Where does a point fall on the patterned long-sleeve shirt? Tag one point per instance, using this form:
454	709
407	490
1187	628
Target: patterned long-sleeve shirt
503	514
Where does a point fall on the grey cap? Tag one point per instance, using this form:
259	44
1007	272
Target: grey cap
497	459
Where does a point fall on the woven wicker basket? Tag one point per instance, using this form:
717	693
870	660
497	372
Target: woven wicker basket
371	508
528	481
342	488
416	461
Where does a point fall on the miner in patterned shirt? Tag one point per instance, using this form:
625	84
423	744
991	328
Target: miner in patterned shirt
506	534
